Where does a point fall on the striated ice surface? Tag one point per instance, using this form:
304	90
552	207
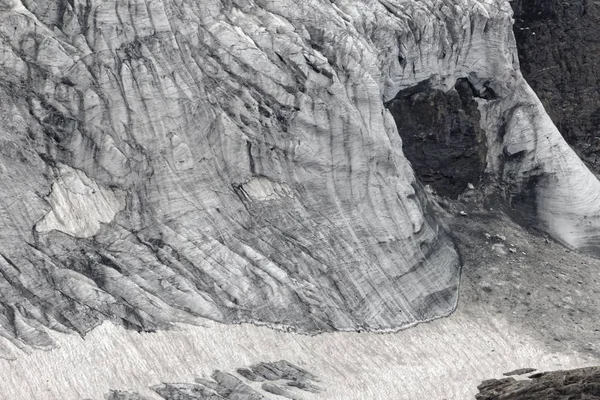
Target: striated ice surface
166	160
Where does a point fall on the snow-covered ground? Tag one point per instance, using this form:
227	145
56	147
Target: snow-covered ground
443	359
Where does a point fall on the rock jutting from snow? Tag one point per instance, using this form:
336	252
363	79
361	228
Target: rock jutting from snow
583	383
280	378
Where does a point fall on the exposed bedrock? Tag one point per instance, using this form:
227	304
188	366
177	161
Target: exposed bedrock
441	135
559	52
260	381
580	384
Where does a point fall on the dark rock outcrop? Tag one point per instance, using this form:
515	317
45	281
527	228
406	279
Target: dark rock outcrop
559	52
225	386
280	378
281	372
578	384
441	134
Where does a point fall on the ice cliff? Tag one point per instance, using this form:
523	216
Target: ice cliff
237	160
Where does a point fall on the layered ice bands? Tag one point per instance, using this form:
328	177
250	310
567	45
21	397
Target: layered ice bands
170	160
179	160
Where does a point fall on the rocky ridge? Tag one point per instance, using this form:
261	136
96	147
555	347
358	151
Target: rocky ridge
580	384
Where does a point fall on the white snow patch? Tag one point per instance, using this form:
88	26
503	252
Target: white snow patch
263	189
79	204
444	359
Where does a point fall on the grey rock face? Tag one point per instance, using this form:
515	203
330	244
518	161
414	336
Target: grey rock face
283	379
559	51
281	372
441	135
582	384
231	388
168	160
